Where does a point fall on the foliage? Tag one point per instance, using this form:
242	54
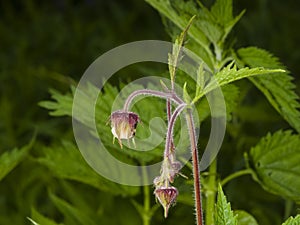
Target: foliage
46	181
278	176
223	213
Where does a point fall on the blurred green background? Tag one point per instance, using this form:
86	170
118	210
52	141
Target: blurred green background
49	44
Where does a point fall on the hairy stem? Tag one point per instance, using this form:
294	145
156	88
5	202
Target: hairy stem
211	193
171	95
169	113
169	138
196	170
235	175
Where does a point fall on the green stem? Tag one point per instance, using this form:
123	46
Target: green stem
235	175
288	208
146	189
211	193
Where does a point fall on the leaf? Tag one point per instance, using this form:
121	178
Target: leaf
228	75
222	9
275	160
179	14
10	159
186	96
223	12
200	79
39	219
66	162
292	221
62	106
231	95
278	88
209	27
244	218
223	213
71	213
152	130
175	57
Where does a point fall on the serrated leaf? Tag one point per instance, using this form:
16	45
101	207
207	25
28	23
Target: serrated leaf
292	221
200	79
278	88
223	213
71	213
210	26
275	160
179	14
152	131
228	75
222	10
175	57
39	219
10	159
244	218
66	162
231	96
62	105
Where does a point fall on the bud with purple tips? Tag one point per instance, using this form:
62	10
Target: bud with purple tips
166	197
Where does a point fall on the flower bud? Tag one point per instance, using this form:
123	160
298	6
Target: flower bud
123	125
166	197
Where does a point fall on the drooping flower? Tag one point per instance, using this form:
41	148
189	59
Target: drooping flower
166	197
123	125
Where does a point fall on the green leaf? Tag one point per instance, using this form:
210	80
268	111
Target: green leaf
39	219
210	26
223	213
62	105
71	213
222	10
230	74
200	80
175	57
275	161
278	88
231	95
151	132
186	96
179	14
66	162
244	218
292	221
10	159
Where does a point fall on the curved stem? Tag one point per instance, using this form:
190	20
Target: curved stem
172	96
171	124
235	175
196	170
169	114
